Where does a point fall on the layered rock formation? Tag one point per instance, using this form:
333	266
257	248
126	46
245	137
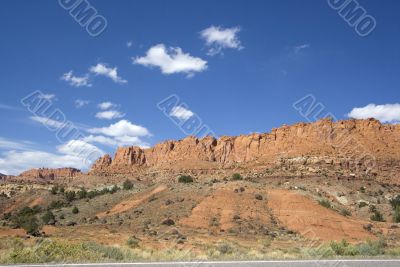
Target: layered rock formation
351	147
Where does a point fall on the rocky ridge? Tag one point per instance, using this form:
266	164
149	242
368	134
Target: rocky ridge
46	174
350	148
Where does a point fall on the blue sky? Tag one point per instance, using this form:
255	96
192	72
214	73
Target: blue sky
237	65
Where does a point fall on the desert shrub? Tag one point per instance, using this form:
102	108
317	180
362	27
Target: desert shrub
343	248
372	248
75	210
185	179
127	185
362	189
372	208
237	177
395	202
377	216
362	204
31	226
56	204
396	215
114	189
54	190
82	193
225	248
62	252
213	222
70	196
133	242
7	216
47	217
325	203
345	212
62	189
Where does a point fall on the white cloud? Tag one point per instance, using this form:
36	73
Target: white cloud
81	149
76	153
129	44
75	80
112	73
171	60
121	128
298	48
218	38
10	144
49	97
109	115
79	103
116	141
106	105
385	113
47	122
14	162
181	113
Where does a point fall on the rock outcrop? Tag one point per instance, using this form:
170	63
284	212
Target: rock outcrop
350	147
49	174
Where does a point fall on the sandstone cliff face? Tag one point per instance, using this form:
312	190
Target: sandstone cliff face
362	146
49	174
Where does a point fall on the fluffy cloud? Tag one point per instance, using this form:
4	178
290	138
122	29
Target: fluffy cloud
112	73
109	115
81	149
171	60
122	133
385	113
116	141
47	122
181	113
79	103
218	38
106	105
121	128
75	80
76	153
14	162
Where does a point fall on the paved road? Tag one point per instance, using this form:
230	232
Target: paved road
333	263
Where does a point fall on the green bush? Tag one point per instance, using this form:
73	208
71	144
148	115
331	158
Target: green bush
345	212
362	189
377	216
82	193
70	196
75	210
133	242
127	185
395	202
47	217
362	204
237	177
54	190
114	189
325	203
26	219
56	204
185	179
396	215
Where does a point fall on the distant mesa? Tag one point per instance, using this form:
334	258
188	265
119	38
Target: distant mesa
49	174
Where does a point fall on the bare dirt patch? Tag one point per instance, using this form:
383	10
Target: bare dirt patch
307	217
132	202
